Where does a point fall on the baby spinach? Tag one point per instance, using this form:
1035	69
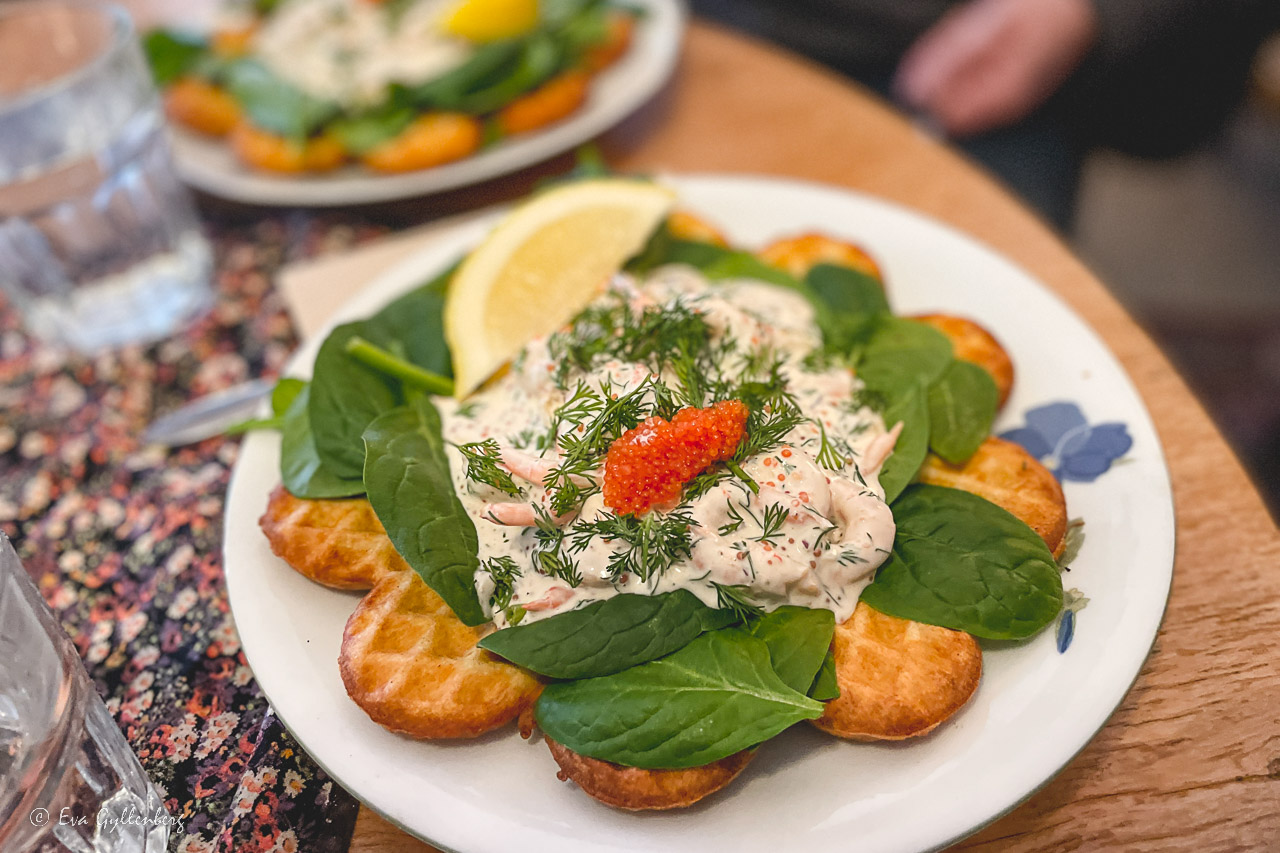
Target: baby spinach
912	409
798	639
486	64
301	470
274	104
406	474
366	131
540	57
852	301
607	636
962	406
962	562
901	353
346	395
171	54
716	696
825	686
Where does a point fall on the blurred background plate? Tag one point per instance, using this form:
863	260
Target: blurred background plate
209	165
1036	707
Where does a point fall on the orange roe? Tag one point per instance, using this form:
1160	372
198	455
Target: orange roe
650	464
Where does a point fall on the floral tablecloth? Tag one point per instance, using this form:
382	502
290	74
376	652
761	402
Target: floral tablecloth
124	541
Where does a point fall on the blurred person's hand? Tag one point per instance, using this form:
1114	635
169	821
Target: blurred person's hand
989	63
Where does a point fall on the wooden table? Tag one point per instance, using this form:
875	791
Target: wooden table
1191	760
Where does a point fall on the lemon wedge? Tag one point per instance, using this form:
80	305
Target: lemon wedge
542	264
491	20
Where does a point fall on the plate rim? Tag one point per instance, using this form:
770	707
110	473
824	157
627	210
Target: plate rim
660	34
384	287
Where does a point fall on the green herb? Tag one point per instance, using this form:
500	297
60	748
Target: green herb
607	636
406	473
504	572
736	600
654	541
828	457
385	362
301	471
549	557
798	639
962	407
172	54
715	697
962	562
482	466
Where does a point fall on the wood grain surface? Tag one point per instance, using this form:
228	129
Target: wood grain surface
1191	760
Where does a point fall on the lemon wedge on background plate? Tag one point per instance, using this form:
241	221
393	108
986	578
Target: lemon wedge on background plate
540	266
490	20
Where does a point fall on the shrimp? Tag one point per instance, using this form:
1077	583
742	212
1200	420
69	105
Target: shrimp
548	103
515	514
534	469
555	597
878	451
201	106
430	140
273	153
797	255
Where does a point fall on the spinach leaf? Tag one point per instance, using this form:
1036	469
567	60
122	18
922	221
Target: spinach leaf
962	562
607	636
347	395
540	57
274	104
171	54
849	301
962	407
487	64
664	247
406	475
901	353
825	686
361	133
716	696
798	639
301	470
912	409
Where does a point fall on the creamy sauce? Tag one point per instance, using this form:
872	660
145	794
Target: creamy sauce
812	535
349	51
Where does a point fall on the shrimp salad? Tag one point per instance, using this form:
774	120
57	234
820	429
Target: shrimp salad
793	515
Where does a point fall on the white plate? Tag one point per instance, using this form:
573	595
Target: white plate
209	165
1034	710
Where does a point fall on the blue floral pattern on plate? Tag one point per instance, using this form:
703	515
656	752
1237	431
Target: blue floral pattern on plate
1059	435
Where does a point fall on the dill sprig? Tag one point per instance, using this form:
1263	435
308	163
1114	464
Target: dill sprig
769	522
548	554
737	600
482	466
505	572
828	456
654	541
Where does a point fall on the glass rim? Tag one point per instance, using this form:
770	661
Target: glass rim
120	39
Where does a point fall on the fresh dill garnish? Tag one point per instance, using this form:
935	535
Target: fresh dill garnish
467	410
736	600
773	516
505	572
655	541
828	456
482	466
548	555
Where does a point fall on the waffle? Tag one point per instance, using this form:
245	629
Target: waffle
339	543
898	678
797	255
1010	477
634	789
414	667
972	343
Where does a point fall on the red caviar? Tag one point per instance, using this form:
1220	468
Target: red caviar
650	464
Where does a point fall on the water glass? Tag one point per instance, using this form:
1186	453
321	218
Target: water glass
99	243
68	780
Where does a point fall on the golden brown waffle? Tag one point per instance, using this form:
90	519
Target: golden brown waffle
797	255
972	343
414	667
339	543
1010	477
644	790
898	678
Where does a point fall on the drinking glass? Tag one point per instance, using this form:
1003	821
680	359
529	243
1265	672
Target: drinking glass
99	243
68	780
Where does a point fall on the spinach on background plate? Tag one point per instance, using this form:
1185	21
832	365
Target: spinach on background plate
171	54
716	696
607	636
274	104
960	561
406	475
